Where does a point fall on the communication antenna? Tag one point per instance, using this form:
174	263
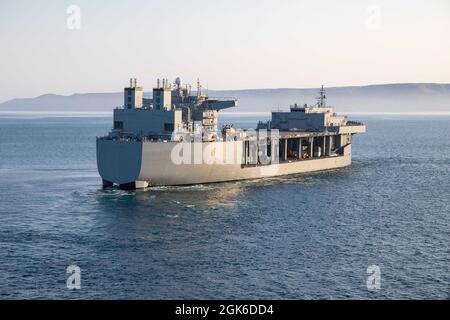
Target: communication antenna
131	82
321	99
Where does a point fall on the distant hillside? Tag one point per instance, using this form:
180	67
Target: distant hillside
76	102
426	97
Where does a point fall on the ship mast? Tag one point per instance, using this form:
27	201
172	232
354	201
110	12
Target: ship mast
199	88
321	103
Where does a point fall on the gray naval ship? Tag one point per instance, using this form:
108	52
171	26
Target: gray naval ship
173	138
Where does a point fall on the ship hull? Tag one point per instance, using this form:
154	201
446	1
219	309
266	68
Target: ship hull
137	164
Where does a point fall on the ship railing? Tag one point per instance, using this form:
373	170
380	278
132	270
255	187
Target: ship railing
222	98
135	138
354	123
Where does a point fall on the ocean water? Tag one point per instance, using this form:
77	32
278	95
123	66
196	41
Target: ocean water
305	236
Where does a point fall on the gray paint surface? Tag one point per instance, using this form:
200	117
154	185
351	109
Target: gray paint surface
152	162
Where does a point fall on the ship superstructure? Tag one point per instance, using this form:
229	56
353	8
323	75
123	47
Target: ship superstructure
173	138
172	108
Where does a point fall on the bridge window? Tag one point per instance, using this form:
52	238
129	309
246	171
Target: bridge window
168	127
118	125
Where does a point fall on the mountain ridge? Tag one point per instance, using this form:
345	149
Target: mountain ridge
394	97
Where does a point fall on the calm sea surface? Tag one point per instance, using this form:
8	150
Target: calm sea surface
298	237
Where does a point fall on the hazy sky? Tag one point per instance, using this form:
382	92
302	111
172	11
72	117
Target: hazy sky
229	44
